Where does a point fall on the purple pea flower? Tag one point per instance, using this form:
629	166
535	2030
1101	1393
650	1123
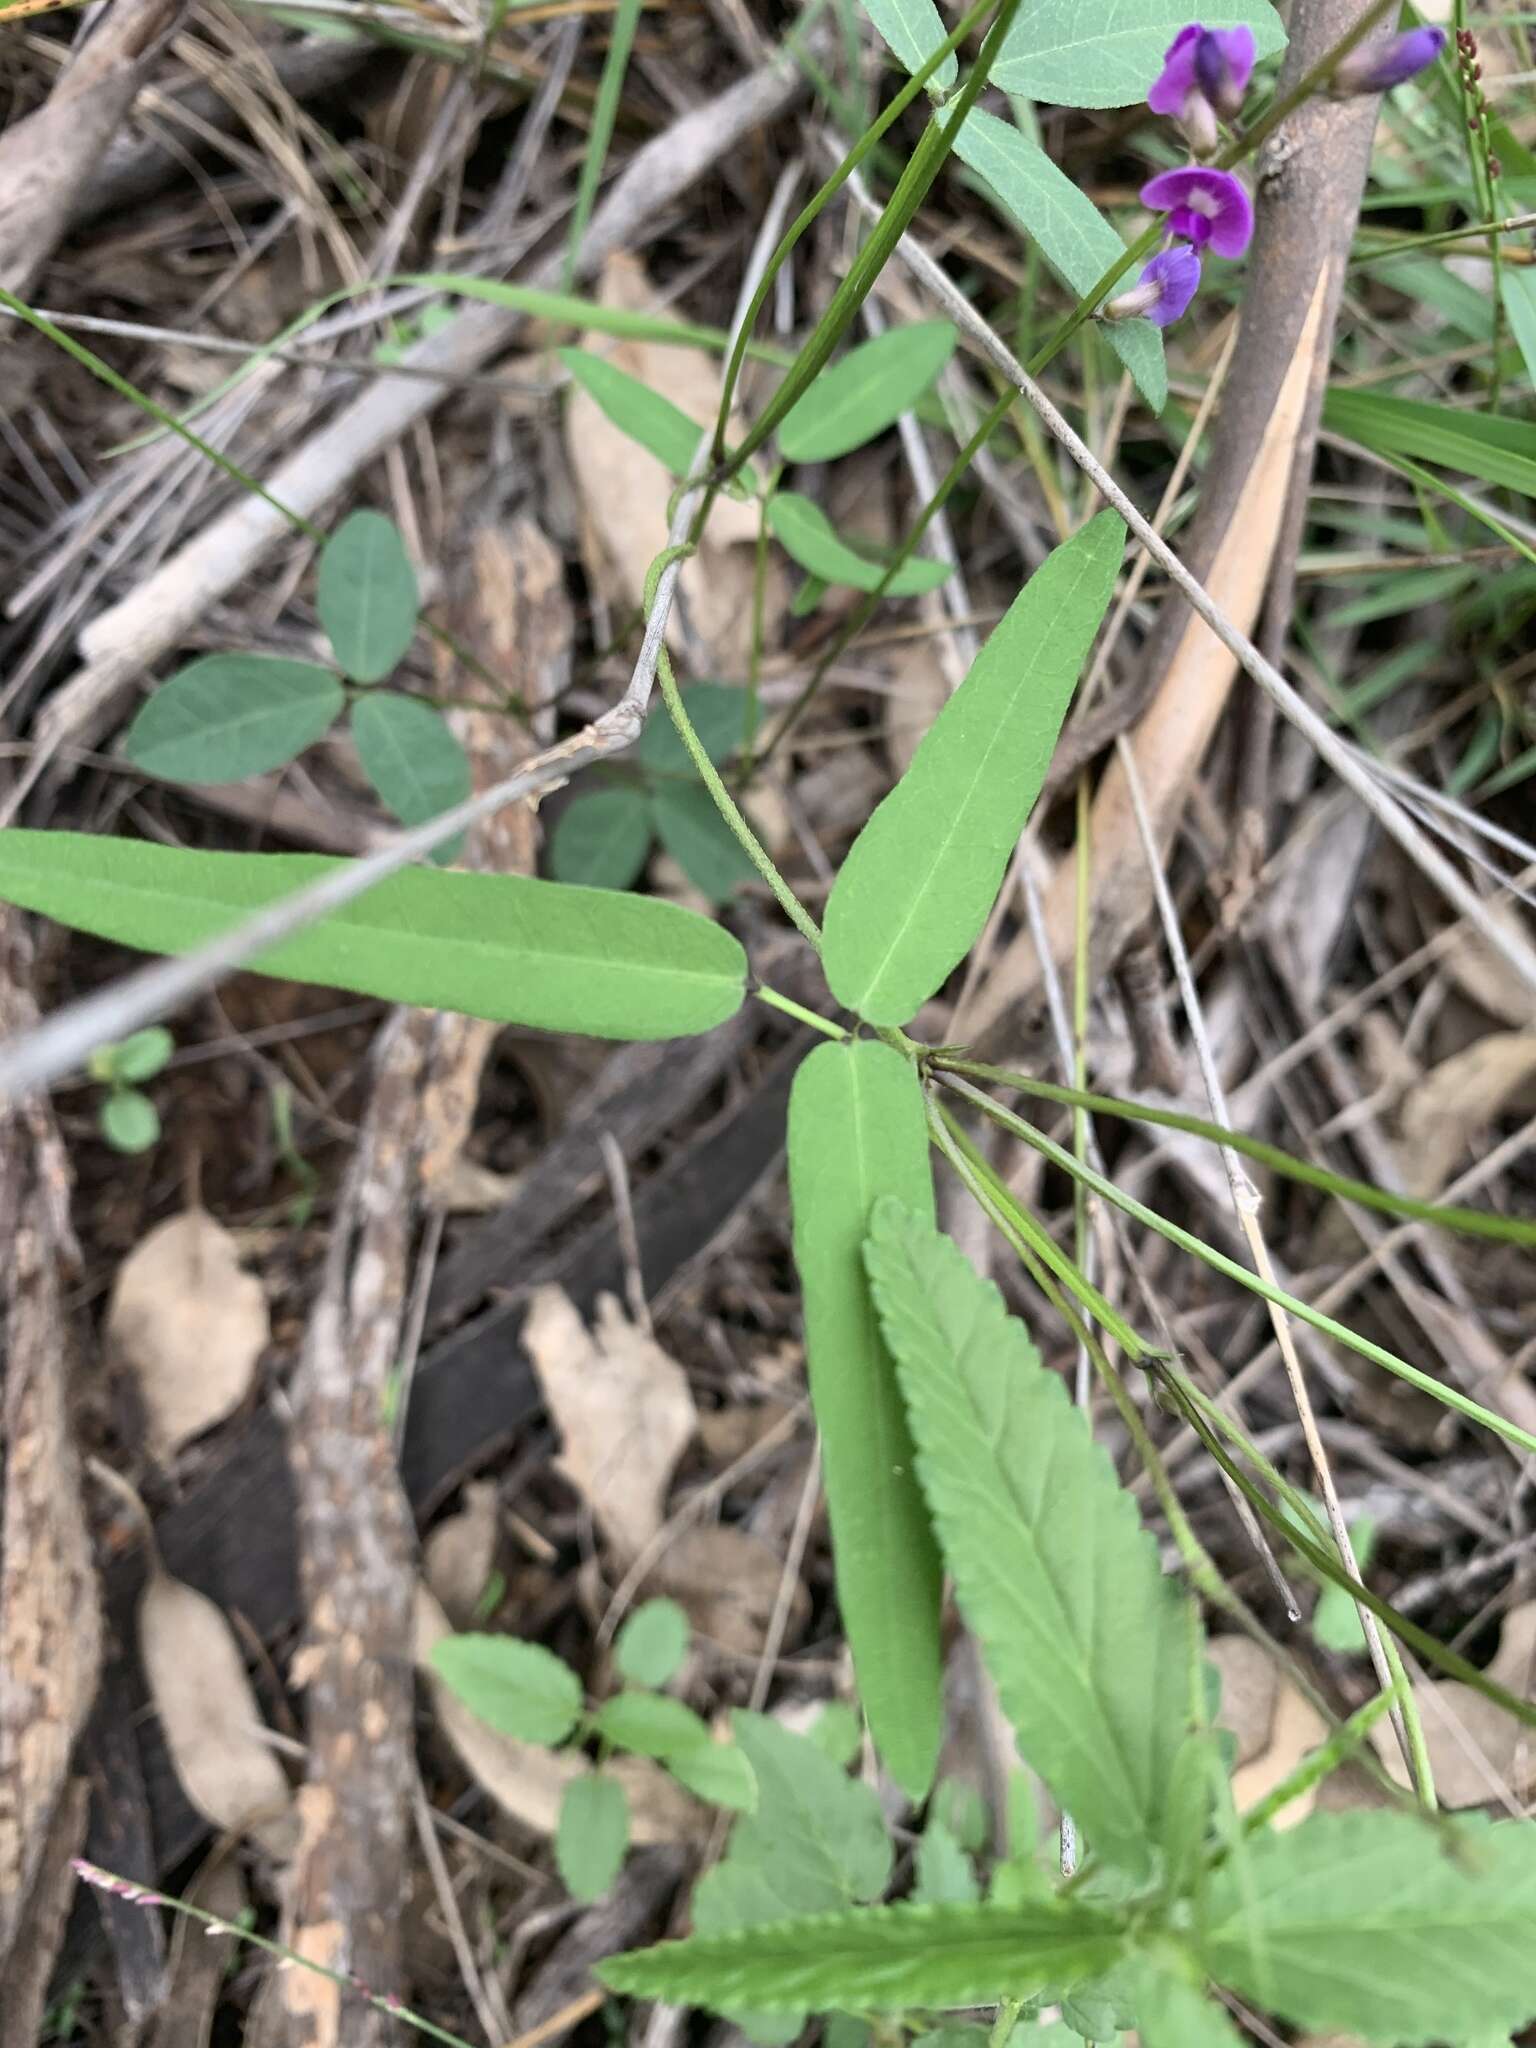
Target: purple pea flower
1209	208
1163	291
1384	65
1205	74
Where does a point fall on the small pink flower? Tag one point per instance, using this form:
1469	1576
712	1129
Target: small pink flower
1207	207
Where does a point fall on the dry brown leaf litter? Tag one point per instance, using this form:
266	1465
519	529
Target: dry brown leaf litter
190	1324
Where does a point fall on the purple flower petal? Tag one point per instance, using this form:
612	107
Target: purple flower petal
1207	207
1176	81
1383	65
1163	291
1223	67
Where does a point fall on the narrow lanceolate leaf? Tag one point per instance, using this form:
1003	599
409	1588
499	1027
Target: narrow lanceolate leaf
592	1835
869	389
914	29
232	715
1480	444
857	1132
1518	290
496	946
1108	55
635	409
1379	1925
921	876
1092	1648
410	755
807	534
367	596
1072	235
879	1959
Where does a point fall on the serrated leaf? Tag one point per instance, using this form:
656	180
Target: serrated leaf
592	1835
1091	1647
367	596
818	1836
944	1873
921	877
718	715
914	29
232	715
411	757
497	946
1380	1925
649	1723
655	422
1109	55
857	1131
601	840
699	840
1480	444
519	1688
1072	235
718	1772
807	535
650	1647
1172	2013
870	388
880	1959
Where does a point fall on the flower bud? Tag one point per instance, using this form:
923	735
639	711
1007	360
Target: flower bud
1382	65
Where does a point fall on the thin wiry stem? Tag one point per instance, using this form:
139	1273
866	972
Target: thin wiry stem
1246	1203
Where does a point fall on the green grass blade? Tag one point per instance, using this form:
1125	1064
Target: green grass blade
621	38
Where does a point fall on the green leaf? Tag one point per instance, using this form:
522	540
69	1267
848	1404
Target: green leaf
1520	312
1336	1618
522	1689
1485	445
653	1642
1092	1648
232	715
944	1873
699	840
914	29
410	755
872	386
718	713
496	946
880	1959
1109	55
807	534
592	1835
818	1836
718	1772
920	878
601	840
1172	2013
1380	1925
129	1121
139	1057
837	1732
1072	235
649	1723
857	1132
367	597
635	409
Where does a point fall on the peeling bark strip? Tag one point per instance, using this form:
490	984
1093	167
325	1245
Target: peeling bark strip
1311	174
50	1629
46	159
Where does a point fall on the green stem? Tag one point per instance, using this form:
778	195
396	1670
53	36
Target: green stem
791	1008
